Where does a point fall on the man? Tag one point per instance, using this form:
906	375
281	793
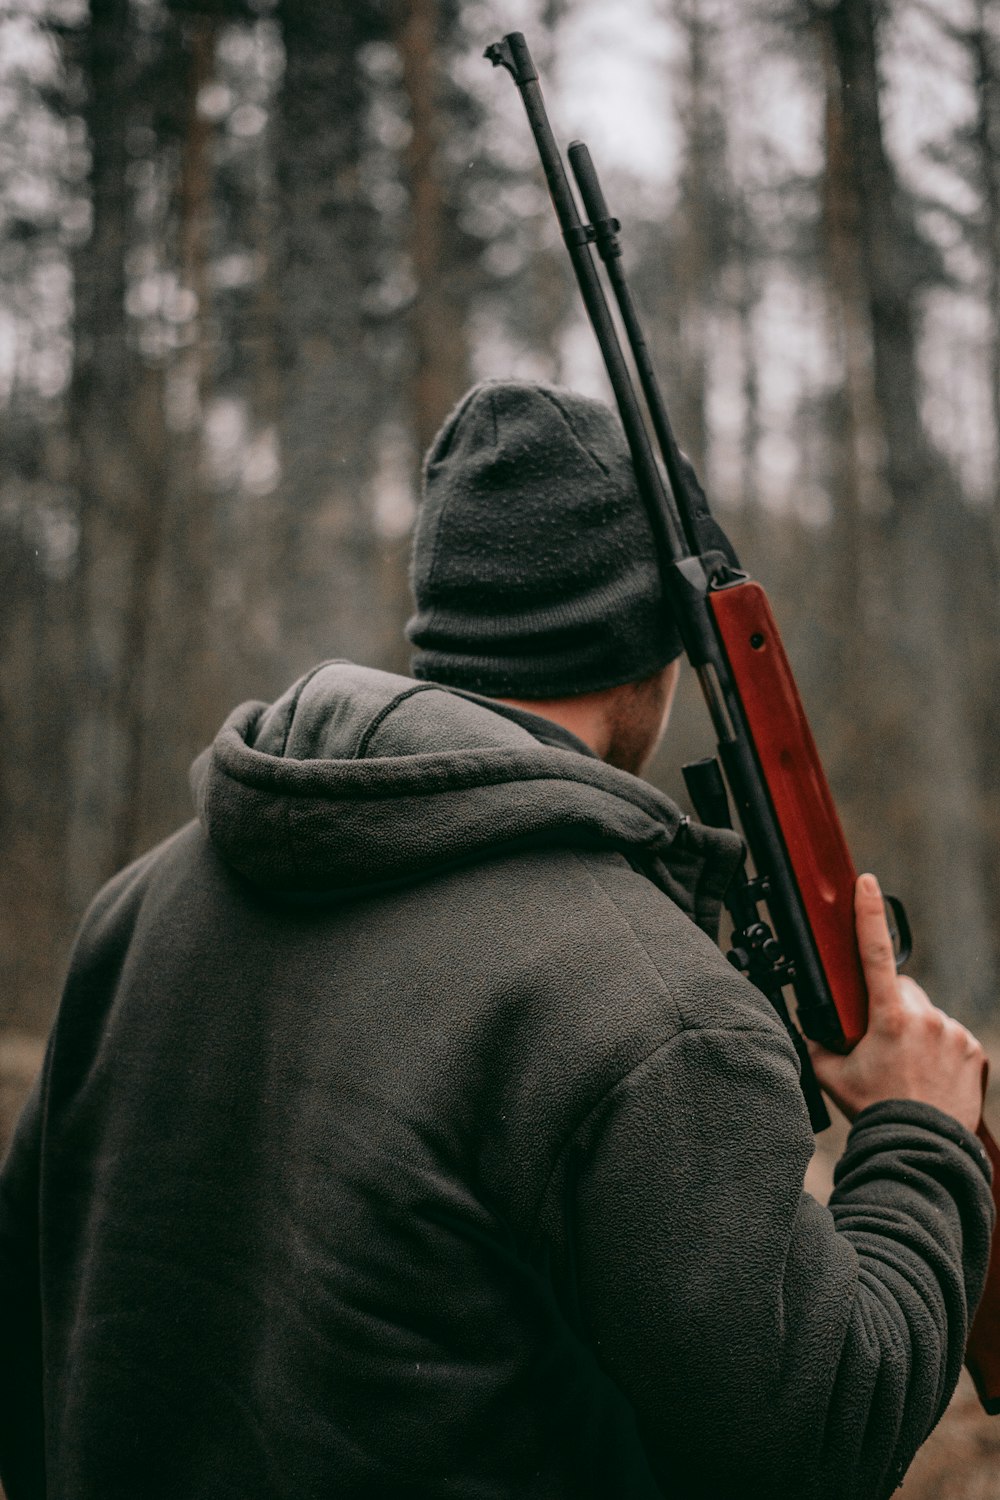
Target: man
403	1132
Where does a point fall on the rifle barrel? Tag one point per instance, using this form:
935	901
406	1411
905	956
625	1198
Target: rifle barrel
671	537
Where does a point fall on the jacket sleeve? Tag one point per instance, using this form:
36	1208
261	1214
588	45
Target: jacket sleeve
22	1467
768	1345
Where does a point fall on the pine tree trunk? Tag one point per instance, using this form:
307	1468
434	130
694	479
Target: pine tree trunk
986	137
437	362
439	355
37	628
984	44
331	399
183	707
693	265
117	426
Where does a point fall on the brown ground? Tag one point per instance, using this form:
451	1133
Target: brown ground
959	1461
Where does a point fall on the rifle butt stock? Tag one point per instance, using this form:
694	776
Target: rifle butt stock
800	795
982	1352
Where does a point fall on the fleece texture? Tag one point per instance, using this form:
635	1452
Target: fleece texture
403	1133
535	571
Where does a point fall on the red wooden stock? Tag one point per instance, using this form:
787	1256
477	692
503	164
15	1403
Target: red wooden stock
803	805
982	1352
825	875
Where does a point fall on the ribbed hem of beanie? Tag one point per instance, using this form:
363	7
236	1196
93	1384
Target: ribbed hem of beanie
550	677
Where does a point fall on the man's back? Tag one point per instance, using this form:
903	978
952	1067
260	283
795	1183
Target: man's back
274	1263
404	1136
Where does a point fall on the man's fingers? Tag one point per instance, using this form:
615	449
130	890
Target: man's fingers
878	959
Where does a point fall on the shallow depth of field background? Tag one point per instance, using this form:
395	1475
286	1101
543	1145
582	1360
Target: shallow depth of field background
251	251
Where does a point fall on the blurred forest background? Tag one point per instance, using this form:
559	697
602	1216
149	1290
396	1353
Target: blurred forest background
251	251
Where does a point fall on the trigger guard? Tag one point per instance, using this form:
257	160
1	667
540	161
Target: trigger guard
897	912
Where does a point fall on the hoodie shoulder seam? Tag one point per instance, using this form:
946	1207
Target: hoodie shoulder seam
619	1083
623	914
683	1027
294	703
383	714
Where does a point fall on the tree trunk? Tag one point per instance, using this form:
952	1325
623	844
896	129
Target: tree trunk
890	252
985	55
984	46
183	707
116	416
747	298
439	357
856	436
694	254
37	629
331	399
437	361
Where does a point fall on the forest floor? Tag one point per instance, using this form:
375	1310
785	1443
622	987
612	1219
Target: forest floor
959	1461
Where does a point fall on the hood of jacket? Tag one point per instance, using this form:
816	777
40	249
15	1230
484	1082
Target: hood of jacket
357	780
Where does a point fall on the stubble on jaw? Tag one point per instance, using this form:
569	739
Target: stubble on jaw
639	714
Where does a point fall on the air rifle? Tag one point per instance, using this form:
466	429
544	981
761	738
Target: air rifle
793	917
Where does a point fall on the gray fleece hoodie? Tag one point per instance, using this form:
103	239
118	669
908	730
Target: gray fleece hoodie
403	1133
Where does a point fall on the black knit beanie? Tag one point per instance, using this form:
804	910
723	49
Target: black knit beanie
534	569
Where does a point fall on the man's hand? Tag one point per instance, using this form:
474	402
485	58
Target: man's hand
911	1049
